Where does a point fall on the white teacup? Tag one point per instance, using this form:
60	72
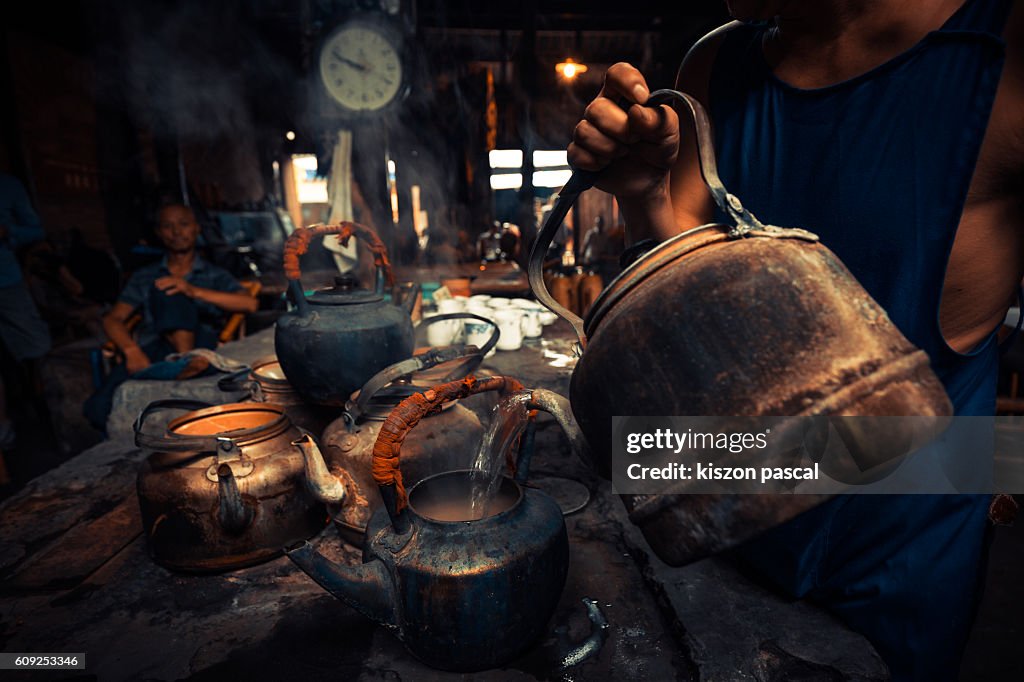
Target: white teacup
499	303
443	333
453	305
478	333
510	323
532	328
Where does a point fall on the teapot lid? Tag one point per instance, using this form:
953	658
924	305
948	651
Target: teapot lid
345	291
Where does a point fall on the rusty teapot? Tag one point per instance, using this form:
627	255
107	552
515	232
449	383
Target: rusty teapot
744	319
461	594
224	486
265	382
446	439
336	339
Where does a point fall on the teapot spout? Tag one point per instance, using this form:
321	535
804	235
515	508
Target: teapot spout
558	407
321	483
367	588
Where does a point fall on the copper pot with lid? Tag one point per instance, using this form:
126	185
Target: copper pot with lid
224	486
731	319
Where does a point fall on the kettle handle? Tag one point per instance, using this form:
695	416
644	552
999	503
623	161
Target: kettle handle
581	180
222	443
298	244
236	381
435	356
182	444
405	416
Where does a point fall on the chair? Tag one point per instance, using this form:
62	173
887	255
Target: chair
234	328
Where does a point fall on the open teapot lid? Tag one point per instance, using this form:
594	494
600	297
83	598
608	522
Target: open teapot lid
345	291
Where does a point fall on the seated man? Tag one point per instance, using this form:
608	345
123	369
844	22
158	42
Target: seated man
183	300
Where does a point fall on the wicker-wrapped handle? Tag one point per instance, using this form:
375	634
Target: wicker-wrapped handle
405	416
298	244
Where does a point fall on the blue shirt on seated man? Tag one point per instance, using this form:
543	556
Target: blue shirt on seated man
183	300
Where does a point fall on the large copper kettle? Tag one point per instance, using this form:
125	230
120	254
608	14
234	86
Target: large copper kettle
337	338
224	486
742	319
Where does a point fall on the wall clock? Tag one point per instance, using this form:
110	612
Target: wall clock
360	67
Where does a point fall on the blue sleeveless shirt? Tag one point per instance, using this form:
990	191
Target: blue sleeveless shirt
878	166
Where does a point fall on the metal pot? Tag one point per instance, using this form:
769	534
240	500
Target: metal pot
224	487
446	440
461	594
265	382
337	338
743	319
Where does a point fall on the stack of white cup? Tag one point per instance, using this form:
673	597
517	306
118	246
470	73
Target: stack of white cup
516	318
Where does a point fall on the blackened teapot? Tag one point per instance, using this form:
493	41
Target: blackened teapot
461	593
336	339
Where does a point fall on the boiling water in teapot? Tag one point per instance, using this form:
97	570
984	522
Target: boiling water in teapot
448	497
508	420
450	510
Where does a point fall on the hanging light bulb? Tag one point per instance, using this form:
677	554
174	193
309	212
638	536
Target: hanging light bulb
570	68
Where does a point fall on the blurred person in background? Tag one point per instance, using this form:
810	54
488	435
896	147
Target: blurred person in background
184	301
23	332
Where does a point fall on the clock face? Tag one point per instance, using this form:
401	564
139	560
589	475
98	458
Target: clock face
360	67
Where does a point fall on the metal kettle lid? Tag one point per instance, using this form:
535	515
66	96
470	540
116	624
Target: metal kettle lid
345	291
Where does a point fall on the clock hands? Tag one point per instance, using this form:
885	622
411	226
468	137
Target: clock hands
345	60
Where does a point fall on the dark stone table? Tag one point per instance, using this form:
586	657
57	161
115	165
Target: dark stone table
76	578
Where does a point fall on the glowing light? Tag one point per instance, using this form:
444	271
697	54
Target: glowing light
311	189
570	68
505	158
290	135
552	178
507	181
547	159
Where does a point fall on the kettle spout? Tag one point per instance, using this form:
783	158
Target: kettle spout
366	588
558	407
234	515
321	483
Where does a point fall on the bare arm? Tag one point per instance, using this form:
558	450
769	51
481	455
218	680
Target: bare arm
234	302
646	162
238	302
633	149
118	332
